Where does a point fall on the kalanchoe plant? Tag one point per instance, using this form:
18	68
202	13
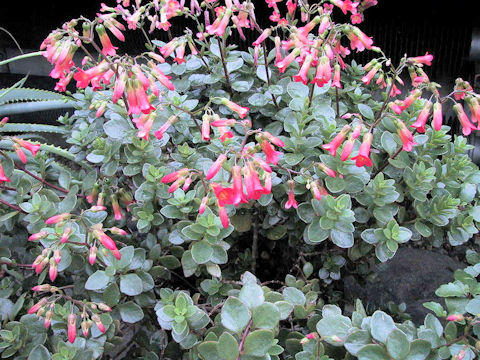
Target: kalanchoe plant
195	169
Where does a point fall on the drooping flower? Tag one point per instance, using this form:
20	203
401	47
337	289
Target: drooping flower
240	110
302	75
52	270
116	208
369	76
66	234
422	118
216	166
324	72
38	305
363	157
437	116
291	202
317	190
467	126
327	170
3	177
72	327
222	212
33	148
92	255
203	205
238	195
474	107
264	35
206	127
337	141
405	136
347	148
336	77
283	64
171	120
107	47
272	156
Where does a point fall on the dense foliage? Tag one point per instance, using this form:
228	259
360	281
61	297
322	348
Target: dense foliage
211	199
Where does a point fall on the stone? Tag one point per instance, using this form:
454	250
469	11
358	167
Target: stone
411	277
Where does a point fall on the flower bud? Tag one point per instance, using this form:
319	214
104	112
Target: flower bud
72	327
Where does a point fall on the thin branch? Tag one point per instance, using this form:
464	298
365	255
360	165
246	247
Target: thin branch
242	341
45	182
14	207
227	76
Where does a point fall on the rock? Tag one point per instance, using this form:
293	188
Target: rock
412	277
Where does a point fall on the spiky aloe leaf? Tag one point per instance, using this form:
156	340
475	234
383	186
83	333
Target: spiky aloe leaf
9	95
6	144
31	128
33	106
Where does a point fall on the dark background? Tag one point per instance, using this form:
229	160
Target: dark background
414	27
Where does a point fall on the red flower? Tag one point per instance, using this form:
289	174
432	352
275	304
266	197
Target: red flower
363	157
405	135
337	141
422	118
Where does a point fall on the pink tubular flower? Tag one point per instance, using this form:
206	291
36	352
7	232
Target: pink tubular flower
405	136
273	139
252	183
337	141
116	208
467	126
107	47
437	116
425	59
174	176
345	5
203	205
241	111
206	127
3	177
223	122
38	305
171	120
37	236
215	168
160	76
43	287
369	76
57	256
317	190
21	155
66	233
291	202
347	148
324	72
96	319
92	255
180	54
57	218
53	270
474	107
272	156
336	77
456	317
222	212
302	75
363	157
327	170
283	64
104	239
410	99
72	327
422	118
238	195
265	34
33	148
